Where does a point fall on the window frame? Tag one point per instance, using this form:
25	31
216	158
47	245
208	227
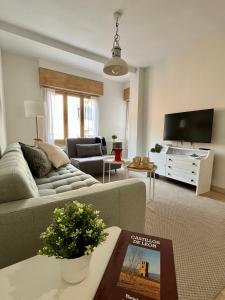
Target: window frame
65	94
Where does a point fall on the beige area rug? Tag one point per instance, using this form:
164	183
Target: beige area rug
196	225
197	229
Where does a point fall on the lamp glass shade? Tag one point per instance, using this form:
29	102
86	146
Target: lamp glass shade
34	109
116	66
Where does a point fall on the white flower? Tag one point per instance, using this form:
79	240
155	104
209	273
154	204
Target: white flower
88	250
80	210
89	232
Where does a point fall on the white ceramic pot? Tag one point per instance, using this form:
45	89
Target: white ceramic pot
76	269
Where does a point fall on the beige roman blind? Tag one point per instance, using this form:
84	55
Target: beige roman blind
67	82
126	94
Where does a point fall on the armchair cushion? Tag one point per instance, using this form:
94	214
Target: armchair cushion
88	150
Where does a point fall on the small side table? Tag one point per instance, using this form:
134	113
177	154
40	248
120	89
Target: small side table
151	173
39	277
110	161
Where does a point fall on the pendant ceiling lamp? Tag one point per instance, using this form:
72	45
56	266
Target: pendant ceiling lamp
116	66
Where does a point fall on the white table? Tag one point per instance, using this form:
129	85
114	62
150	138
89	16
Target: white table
151	173
38	278
110	161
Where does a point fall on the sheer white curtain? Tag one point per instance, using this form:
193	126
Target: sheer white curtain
95	116
48	95
126	129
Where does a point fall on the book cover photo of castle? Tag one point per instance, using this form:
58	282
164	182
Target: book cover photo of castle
140	272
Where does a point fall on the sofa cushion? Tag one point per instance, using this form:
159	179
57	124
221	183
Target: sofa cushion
64	179
55	154
16	180
37	160
88	150
71	145
92	165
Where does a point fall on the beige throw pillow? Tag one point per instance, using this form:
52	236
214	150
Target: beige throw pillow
55	154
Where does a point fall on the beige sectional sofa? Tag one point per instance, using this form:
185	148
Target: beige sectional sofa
27	203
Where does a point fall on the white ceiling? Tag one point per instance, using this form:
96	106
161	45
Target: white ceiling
24	46
150	29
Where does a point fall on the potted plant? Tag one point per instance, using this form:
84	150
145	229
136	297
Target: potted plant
114	137
72	237
157	148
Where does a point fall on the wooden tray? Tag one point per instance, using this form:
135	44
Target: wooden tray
141	167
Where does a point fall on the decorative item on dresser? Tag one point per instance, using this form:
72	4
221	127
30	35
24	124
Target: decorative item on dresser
189	165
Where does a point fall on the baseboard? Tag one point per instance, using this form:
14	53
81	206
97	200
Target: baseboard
218	189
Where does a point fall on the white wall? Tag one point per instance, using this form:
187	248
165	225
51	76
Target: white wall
112	112
193	80
3	137
21	83
135	136
20	75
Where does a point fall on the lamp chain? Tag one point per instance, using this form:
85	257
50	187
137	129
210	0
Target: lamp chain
116	36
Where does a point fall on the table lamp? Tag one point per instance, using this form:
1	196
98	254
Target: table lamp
34	109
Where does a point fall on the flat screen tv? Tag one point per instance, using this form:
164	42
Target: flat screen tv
190	126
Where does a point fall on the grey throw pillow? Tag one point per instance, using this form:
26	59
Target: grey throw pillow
88	150
37	160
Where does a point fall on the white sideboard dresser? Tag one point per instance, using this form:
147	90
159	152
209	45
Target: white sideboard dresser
193	166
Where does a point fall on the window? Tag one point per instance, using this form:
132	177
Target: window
73	116
58	117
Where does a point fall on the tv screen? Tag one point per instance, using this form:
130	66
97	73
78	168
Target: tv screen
191	126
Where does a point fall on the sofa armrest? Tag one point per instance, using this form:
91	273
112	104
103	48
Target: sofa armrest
120	203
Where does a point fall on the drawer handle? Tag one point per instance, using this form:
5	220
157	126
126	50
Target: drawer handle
170	159
169	167
193	172
192	180
193	164
169	174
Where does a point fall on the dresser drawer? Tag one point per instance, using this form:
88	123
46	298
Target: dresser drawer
188	179
183	171
182	162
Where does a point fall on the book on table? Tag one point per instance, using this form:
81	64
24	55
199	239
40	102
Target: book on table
141	268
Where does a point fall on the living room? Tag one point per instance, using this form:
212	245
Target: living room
53	58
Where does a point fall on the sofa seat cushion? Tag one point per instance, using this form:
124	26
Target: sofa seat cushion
64	179
83	160
92	165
